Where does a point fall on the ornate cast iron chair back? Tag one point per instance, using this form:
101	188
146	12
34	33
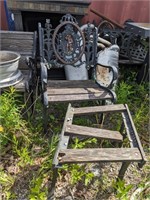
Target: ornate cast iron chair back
67	43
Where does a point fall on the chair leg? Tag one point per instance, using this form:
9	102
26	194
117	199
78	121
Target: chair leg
52	189
101	115
123	170
45	119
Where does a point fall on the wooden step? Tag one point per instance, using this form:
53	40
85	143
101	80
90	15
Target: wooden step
99	109
75	130
99	155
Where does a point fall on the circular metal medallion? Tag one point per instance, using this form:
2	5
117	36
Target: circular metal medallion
68	42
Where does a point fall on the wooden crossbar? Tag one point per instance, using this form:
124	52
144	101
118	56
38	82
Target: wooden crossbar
99	109
75	130
99	154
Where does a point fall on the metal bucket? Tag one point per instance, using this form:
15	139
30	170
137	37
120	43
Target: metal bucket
77	72
9	73
107	66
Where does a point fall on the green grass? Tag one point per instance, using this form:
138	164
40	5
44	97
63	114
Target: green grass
26	154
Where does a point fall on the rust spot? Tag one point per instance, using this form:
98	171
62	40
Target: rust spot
103	75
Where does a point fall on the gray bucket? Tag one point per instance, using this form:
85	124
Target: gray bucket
9	73
77	72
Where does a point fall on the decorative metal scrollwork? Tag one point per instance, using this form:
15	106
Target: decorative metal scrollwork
105	25
90	34
47	41
68	41
130	44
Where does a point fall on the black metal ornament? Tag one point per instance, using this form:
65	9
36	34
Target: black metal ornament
68	41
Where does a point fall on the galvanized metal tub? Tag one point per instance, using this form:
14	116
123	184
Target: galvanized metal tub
9	73
78	71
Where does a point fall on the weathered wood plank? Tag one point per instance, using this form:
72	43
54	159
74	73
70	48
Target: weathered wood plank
64	91
99	155
17	35
72	84
99	109
79	97
7	43
18	46
93	132
20	42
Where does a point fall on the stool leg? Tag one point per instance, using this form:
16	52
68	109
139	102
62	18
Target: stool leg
121	131
52	189
123	170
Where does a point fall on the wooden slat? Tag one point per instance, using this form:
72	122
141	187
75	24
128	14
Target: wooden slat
20	42
64	91
92	132
99	109
17	45
72	84
17	34
23	40
79	97
99	155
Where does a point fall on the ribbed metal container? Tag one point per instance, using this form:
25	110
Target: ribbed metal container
9	73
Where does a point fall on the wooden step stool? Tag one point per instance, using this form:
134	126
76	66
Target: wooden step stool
125	155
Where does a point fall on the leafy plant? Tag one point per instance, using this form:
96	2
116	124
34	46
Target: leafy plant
15	133
10	118
124	91
24	156
82	121
36	190
6	183
78	173
79	144
122	189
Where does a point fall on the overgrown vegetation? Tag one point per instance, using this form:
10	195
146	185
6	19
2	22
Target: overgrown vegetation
26	154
